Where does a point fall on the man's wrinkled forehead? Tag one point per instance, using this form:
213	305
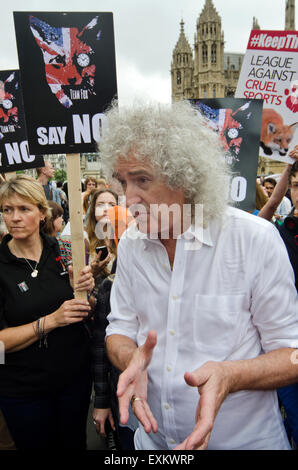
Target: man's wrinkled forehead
131	166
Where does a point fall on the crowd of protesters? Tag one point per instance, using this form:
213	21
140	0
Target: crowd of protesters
59	348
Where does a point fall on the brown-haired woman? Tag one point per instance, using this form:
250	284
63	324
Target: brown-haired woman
90	184
96	228
53	227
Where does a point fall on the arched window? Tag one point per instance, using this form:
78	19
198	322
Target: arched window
214	91
213	53
205	53
178	77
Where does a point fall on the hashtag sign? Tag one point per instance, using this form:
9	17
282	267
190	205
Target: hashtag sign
254	41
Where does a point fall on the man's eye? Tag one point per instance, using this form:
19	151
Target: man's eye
143	180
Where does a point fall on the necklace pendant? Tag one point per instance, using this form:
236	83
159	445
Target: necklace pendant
34	273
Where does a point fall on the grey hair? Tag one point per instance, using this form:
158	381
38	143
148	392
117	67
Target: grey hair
178	143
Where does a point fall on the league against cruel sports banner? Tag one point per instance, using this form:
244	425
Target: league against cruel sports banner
14	150
238	123
67	63
269	72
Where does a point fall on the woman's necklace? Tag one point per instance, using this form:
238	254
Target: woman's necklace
34	270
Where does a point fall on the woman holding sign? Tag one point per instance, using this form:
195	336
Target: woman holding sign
45	381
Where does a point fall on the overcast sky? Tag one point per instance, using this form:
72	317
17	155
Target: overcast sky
146	32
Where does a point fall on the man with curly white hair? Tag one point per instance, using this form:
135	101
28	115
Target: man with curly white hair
205	288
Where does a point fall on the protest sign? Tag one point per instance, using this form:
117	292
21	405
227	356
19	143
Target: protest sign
238	123
67	62
269	72
14	151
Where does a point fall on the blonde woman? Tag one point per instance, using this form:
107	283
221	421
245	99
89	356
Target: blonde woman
45	381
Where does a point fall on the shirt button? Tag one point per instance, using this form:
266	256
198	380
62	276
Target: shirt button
172	332
169	369
167	406
172	441
175	297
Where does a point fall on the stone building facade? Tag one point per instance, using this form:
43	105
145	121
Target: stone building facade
207	71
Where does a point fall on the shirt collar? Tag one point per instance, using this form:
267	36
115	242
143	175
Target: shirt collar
194	232
201	234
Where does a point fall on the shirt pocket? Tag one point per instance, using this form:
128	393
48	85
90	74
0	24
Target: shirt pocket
216	324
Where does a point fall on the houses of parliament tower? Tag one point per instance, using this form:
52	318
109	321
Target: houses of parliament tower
209	71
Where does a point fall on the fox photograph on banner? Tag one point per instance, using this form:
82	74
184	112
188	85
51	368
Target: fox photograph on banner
269	72
14	150
67	63
238	123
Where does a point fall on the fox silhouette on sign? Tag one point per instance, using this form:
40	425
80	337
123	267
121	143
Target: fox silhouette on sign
69	65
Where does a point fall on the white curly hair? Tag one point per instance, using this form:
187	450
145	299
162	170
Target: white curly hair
178	143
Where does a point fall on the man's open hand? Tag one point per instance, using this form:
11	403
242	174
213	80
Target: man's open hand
213	383
133	384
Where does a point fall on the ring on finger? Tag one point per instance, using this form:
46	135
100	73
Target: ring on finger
133	399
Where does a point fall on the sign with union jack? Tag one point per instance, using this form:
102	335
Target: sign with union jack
67	63
14	150
237	122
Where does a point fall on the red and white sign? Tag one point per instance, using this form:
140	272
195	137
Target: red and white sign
269	72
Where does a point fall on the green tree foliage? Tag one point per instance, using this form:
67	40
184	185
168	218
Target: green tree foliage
60	175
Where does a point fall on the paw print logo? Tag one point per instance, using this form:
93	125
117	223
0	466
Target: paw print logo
292	100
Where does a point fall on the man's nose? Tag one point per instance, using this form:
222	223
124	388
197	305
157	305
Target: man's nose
131	195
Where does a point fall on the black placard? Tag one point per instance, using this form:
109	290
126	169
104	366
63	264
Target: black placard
238	123
14	151
67	63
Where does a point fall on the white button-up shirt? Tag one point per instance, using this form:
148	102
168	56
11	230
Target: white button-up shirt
231	298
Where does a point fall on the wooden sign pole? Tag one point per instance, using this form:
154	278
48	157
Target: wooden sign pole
76	217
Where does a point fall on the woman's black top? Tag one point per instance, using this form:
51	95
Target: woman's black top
37	370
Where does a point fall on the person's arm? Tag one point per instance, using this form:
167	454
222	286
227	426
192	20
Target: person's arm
71	311
120	350
269	209
20	337
215	380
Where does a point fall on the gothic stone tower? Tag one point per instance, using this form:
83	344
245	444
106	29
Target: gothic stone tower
212	73
182	68
209	54
290	15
